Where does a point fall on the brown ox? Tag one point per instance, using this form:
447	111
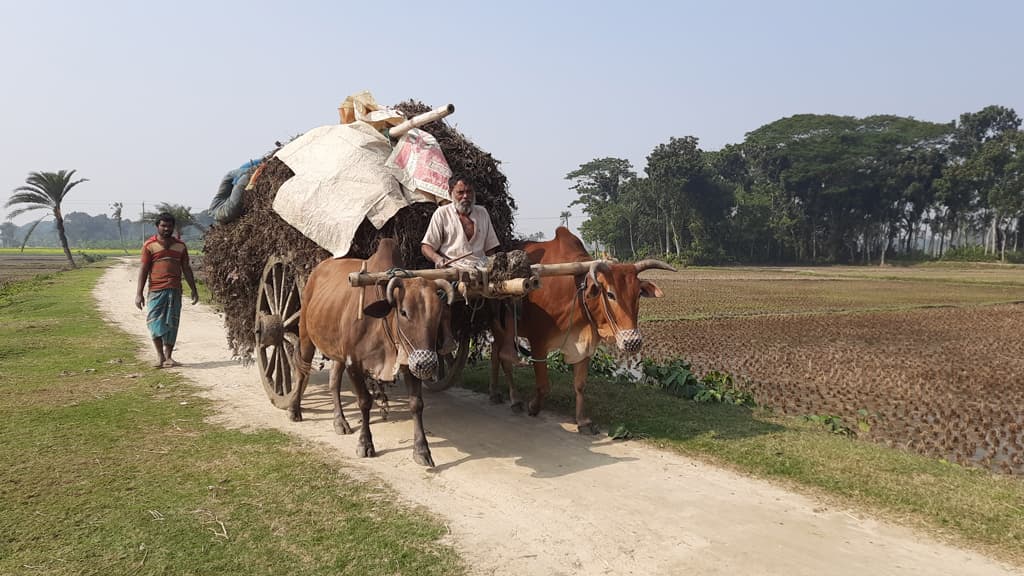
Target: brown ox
399	329
575	314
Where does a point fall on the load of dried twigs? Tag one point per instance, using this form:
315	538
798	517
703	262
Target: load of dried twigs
235	253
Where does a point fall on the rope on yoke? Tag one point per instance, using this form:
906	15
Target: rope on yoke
395	271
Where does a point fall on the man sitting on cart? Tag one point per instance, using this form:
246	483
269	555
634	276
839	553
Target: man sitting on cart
461	235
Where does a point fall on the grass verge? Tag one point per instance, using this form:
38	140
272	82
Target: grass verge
966	506
111	468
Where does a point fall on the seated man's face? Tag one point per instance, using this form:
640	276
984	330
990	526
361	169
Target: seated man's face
463	197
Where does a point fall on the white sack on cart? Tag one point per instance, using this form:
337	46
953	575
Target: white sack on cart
340	178
421	164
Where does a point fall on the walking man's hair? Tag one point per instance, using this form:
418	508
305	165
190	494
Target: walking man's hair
165	217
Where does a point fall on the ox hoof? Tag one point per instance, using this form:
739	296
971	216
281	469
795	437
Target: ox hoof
497	398
587	428
295	415
518	407
365	451
534	408
341	426
423	458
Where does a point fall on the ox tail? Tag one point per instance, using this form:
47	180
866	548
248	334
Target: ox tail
301	364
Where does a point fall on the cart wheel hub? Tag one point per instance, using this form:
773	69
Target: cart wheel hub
270	330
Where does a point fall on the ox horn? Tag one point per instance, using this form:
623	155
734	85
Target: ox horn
395	282
651	263
447	287
595	267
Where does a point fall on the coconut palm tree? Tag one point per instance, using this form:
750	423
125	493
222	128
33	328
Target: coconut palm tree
183	217
45	191
117	207
565	215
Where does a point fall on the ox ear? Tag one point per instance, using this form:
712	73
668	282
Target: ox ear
649	289
378	309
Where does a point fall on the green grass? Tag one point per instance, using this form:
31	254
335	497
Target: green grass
968	506
109	467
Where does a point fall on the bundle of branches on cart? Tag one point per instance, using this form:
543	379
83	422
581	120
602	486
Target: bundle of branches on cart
235	253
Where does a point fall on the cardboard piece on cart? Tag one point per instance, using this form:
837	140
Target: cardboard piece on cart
340	178
421	164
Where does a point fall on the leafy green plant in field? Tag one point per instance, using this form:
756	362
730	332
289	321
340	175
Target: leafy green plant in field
832	423
90	258
720	387
556	361
676	377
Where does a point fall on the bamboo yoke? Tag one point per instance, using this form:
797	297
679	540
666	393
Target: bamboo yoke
473	283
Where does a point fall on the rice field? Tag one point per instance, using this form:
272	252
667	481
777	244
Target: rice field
929	359
16	266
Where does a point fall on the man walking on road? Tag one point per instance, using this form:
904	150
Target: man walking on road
164	262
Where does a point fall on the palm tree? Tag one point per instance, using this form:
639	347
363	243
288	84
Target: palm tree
45	191
183	217
116	214
565	215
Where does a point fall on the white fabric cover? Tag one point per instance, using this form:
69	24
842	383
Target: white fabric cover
340	178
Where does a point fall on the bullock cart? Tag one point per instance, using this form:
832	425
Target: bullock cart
279	305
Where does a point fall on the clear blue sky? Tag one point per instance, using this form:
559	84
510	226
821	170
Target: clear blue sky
154	102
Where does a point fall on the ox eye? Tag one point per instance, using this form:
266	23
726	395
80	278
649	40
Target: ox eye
611	295
403	313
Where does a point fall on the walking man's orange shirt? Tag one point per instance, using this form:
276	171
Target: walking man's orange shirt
166	263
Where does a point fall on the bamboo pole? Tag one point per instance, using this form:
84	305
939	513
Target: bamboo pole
453	274
420	120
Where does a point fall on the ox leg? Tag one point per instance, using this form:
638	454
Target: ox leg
364	448
540	375
503	354
420	449
300	374
493	390
500	364
579	382
341	426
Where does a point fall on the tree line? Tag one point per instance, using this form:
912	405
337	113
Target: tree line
45	192
817	188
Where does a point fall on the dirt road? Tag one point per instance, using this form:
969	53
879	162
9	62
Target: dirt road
524	495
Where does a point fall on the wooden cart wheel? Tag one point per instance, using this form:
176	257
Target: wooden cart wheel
278	303
449	369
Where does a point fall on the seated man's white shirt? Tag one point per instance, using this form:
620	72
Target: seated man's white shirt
446	235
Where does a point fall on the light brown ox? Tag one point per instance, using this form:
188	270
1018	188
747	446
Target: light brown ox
575	314
399	328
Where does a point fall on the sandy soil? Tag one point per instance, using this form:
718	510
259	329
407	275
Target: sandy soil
525	495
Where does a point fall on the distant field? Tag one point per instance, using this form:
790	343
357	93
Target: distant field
715	293
14	266
927	358
60	252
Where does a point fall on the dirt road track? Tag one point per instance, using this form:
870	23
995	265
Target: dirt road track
524	495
